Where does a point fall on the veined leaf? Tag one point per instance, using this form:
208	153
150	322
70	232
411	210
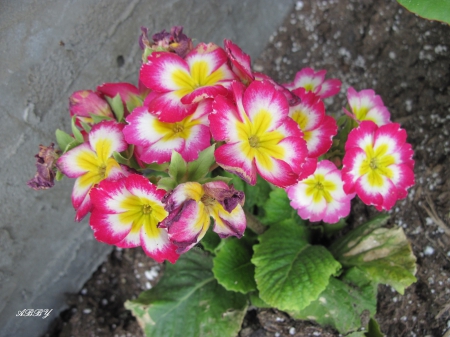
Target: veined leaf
278	208
290	273
346	304
188	301
232	266
384	254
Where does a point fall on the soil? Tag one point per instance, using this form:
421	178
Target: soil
366	44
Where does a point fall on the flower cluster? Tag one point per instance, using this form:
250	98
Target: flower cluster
140	154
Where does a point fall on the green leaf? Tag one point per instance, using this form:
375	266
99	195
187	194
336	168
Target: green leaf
71	145
133	103
167	183
374	329
116	106
211	240
277	208
199	168
177	167
232	266
429	9
291	273
216	178
384	254
257	301
86	126
76	133
346	304
256	195
63	139
59	175
119	158
164	167
188	301
98	118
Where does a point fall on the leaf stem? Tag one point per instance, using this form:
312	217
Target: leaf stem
254	224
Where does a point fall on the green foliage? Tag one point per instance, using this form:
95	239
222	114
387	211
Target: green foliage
291	273
199	168
76	132
257	301
180	171
384	254
99	118
211	240
116	106
277	208
346	304
232	266
178	167
188	301
429	9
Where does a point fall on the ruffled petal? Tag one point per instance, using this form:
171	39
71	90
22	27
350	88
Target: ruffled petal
231	158
228	224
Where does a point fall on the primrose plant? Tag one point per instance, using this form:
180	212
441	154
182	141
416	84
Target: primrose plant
243	184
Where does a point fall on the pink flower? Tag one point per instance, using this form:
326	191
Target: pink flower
315	82
190	206
131	96
240	62
259	135
157	140
92	162
318	128
378	164
127	212
321	195
85	103
178	84
366	106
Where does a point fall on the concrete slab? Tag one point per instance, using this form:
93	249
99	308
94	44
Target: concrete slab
51	48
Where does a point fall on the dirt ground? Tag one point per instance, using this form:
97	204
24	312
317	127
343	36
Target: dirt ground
366	44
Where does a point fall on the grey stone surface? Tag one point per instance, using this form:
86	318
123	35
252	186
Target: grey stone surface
48	49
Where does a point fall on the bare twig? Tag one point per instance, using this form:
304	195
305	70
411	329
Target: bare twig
433	215
443	310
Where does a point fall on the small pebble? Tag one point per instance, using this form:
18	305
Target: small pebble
292	331
428	250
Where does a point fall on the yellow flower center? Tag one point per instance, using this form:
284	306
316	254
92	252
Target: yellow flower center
376	164
258	142
207	200
146	209
253	141
102	171
177	128
319	188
